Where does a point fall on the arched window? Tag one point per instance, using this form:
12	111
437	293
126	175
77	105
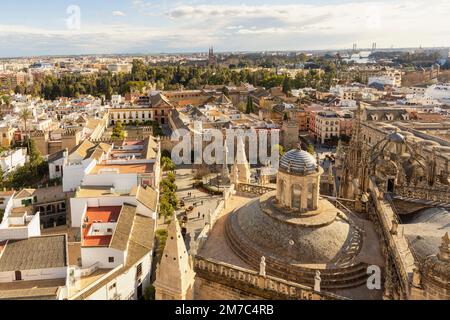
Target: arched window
282	190
310	197
296	194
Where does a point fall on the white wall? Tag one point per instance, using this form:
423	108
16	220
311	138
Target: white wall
78	208
34	226
7	206
93	255
52	168
13	160
126	283
122	182
37	274
31	230
17	202
74	174
101	229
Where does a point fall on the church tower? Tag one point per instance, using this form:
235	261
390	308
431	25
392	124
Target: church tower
211	56
175	275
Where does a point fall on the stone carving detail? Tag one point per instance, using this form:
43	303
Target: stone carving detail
262	267
269	288
317	281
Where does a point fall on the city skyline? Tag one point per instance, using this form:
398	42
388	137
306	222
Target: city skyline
127	26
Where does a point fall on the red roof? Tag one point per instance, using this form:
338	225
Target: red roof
133	143
99	215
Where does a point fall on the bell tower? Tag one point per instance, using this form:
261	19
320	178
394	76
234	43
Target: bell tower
175	275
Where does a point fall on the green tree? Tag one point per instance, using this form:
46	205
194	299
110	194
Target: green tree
35	156
226	91
25	115
149	293
139	71
250	108
167	164
286	85
6	99
171	178
310	149
242	106
165	207
118	133
280	149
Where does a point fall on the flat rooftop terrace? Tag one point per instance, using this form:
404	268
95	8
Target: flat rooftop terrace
99	215
123	168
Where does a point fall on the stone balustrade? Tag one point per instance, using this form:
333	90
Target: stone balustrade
267	287
352	275
253	189
398	244
437	194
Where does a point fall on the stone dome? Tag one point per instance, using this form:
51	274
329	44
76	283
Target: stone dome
321	239
298	162
395	137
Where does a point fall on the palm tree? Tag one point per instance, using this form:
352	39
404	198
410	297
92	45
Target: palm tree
25	115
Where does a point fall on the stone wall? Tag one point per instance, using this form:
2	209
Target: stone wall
218	280
210	290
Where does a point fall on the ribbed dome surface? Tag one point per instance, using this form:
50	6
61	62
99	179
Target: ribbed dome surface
396	137
298	162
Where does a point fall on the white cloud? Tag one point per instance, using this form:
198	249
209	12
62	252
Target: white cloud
250	27
118	14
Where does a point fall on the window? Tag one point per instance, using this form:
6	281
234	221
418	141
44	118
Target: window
57	168
111	259
296	196
109	230
138	270
18	275
26	202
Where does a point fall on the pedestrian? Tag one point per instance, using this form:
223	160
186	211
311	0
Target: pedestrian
203	216
199	214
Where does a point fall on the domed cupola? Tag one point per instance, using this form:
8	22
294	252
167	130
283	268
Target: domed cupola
298	162
396	137
298	181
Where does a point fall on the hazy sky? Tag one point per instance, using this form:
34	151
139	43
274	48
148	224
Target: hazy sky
29	27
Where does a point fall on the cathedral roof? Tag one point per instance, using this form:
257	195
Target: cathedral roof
395	137
315	240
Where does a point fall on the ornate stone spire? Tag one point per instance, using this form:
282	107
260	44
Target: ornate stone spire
241	163
444	249
225	171
174	274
